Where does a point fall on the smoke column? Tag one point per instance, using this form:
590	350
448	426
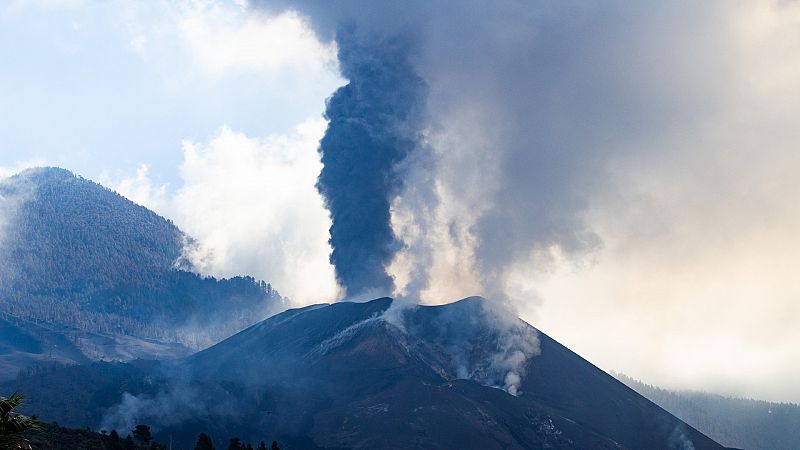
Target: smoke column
529	111
501	175
374	125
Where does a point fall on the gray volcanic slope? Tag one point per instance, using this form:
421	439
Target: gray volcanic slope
338	376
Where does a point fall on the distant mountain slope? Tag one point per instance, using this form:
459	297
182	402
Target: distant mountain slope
30	346
340	376
736	422
73	236
76	254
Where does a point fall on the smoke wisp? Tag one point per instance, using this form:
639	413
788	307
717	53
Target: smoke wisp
14	191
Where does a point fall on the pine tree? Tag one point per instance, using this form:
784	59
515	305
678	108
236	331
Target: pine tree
262	446
204	442
235	444
143	435
275	446
114	442
129	445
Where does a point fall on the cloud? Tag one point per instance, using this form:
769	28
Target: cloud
139	44
47	4
140	189
135	78
227	38
19	166
252	206
253	203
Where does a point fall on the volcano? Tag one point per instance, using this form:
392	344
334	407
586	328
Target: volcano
370	376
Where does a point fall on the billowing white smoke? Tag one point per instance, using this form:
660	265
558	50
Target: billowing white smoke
251	206
253	202
180	403
505	344
517	343
247	198
678	439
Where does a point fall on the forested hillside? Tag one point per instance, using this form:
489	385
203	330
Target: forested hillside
51	436
734	422
75	253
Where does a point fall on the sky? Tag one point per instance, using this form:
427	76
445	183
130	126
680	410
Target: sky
624	174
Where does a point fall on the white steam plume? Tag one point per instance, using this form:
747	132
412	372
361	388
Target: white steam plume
252	208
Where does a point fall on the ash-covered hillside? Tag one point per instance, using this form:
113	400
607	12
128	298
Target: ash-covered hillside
352	376
76	255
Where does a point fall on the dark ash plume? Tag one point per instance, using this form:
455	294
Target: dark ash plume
375	122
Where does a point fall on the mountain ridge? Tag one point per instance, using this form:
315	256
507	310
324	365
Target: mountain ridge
78	255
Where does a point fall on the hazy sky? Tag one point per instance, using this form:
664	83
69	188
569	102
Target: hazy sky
210	113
